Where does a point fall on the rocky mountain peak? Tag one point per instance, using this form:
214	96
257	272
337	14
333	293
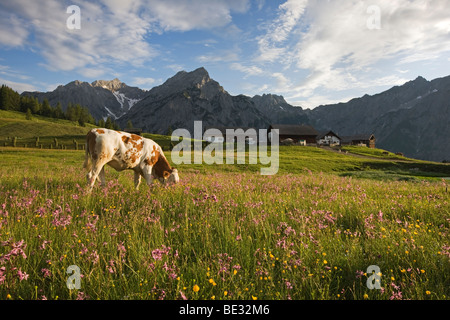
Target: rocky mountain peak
77	83
112	85
270	99
184	82
198	78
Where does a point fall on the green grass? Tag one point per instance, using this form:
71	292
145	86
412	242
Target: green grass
376	153
309	232
294	159
13	124
232	232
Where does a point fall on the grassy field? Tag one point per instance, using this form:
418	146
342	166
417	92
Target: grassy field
224	232
14	124
375	153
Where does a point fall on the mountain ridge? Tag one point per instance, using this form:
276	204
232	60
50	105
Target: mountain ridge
103	98
392	115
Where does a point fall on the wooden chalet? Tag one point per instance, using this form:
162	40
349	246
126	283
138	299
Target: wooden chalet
300	134
328	138
367	140
237	135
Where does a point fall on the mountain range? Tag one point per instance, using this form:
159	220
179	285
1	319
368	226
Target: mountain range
413	118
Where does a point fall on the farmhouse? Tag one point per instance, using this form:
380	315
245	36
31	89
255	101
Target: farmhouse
328	138
301	134
246	133
366	140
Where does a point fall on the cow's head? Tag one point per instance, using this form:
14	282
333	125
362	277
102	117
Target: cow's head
173	177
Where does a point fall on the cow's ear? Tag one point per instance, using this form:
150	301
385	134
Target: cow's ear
166	174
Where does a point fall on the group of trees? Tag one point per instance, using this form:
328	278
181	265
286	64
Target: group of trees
11	100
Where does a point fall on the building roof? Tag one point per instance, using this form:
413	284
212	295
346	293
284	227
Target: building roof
223	130
295	130
358	137
327	133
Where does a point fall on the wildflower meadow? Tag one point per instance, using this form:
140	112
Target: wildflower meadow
218	235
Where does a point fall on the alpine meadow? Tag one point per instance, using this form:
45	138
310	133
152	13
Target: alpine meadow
227	157
225	232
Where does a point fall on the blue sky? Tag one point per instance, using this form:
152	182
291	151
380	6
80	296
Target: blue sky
312	52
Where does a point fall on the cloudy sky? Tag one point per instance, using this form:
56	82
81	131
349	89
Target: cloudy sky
310	51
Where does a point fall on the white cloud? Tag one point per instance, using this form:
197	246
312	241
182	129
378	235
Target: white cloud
330	44
248	70
279	31
260	4
181	15
282	82
219	56
144	83
13	31
107	35
112	31
339	43
92	73
18	86
175	67
7	71
314	101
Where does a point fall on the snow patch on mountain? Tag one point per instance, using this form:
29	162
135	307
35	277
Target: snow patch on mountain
109	112
124	100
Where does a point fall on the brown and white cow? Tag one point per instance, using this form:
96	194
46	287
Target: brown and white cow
122	150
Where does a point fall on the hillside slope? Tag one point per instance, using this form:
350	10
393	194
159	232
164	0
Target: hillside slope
14	124
413	118
191	96
102	98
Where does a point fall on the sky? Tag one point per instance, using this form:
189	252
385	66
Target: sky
312	52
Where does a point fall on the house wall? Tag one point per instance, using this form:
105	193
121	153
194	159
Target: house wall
330	140
367	143
308	139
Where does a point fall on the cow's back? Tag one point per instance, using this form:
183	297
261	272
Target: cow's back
102	143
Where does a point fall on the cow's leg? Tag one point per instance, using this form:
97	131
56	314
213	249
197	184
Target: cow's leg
93	174
137	179
101	177
147	173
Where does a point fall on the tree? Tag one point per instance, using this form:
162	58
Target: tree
35	106
129	124
85	116
108	123
26	102
116	126
101	123
58	112
28	115
46	109
9	99
4	100
71	112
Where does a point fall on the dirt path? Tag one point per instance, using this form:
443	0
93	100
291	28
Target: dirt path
364	156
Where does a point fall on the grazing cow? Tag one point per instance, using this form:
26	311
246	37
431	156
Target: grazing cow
122	150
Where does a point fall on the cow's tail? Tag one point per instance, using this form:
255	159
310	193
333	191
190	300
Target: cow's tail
87	159
87	156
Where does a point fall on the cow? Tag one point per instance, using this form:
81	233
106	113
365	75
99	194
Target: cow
122	151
